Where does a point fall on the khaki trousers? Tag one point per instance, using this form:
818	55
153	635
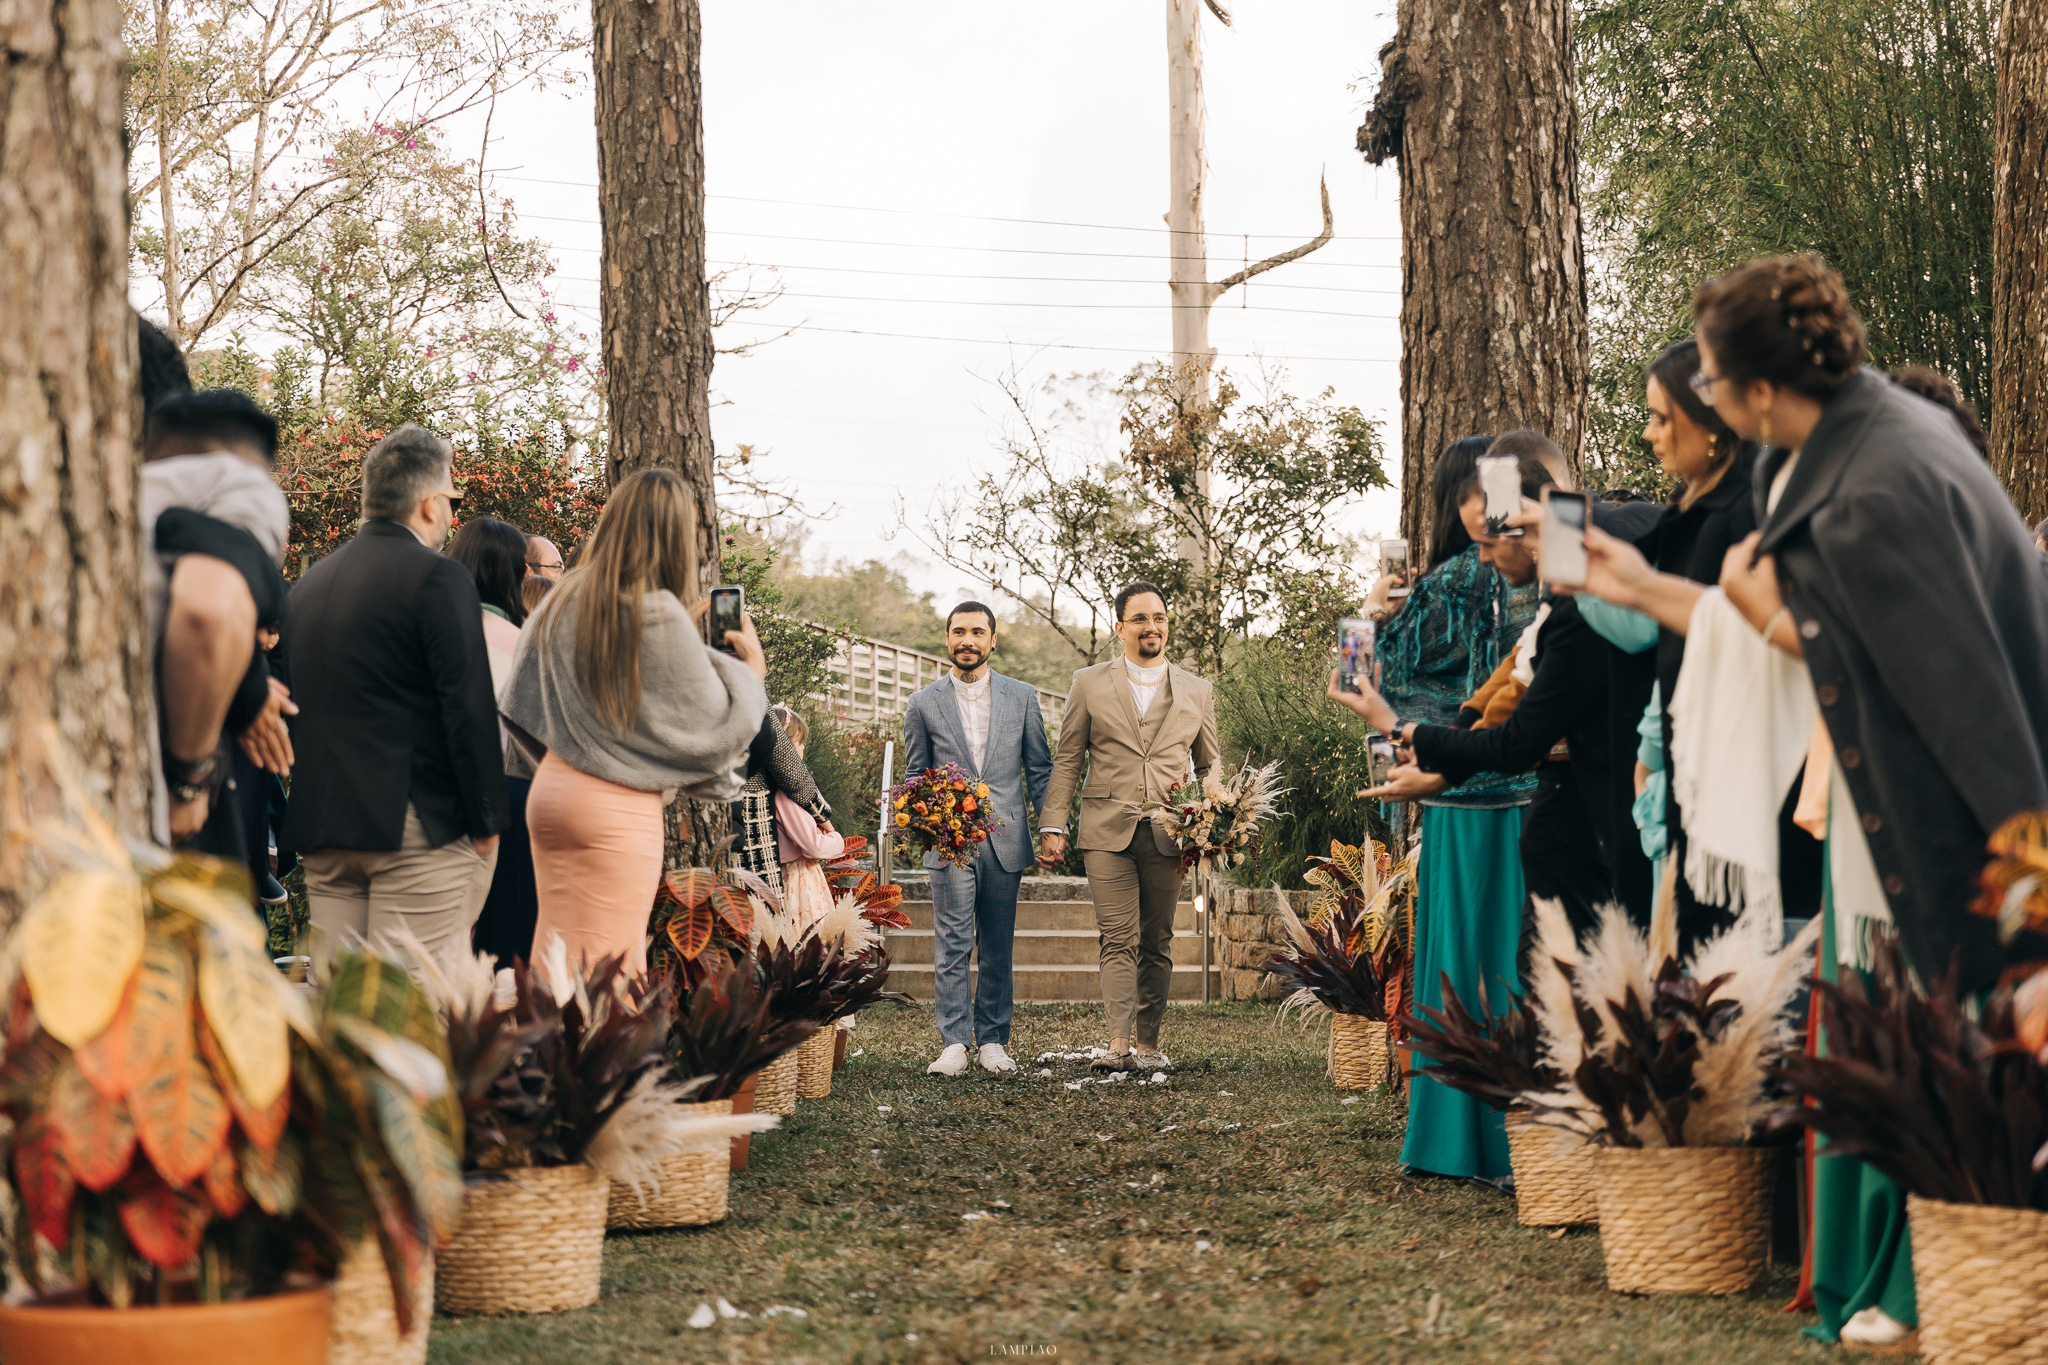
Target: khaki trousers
1135	892
434	894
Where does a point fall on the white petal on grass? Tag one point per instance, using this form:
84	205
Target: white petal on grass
999	1204
1231	1094
779	1309
1045	1071
728	1312
883	1109
1202	1246
703	1317
973	1217
1169	1127
1159	1078
1075	1085
1349	1099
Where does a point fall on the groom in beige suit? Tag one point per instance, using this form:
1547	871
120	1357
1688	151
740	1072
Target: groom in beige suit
1144	726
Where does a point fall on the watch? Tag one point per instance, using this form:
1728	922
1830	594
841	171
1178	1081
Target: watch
191	778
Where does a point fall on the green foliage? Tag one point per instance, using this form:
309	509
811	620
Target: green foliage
1271	707
1717	131
845	757
797	654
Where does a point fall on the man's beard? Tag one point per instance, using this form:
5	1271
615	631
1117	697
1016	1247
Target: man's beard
1151	647
967	658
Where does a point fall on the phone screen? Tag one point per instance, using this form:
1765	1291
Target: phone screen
1500	479
1564	538
1354	652
1394	560
728	608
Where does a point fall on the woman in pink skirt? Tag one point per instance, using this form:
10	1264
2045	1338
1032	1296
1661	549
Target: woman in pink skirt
617	697
804	844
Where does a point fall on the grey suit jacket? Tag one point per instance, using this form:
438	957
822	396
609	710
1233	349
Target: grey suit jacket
1018	755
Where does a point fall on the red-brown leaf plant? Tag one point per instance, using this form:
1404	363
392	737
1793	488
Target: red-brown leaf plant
1495	1058
1951	1108
700	927
727	1030
1332	963
879	904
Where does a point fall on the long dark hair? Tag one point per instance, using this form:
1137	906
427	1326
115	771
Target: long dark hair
1457	469
494	552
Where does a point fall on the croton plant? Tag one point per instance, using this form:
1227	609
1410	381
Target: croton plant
186	1125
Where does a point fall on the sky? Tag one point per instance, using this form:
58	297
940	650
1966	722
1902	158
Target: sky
946	191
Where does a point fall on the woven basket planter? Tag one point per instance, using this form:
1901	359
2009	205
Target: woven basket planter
693	1187
814	1060
1684	1220
1359	1056
365	1321
531	1241
1553	1175
1981	1276
775	1085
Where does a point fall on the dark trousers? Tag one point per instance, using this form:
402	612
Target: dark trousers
505	927
1560	855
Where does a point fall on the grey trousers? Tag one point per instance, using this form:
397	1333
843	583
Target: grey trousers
1135	891
974	908
435	894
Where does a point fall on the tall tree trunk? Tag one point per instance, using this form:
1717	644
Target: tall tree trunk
72	656
1478	103
656	303
2019	259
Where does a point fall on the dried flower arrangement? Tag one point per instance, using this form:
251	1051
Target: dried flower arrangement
1655	1054
1216	821
185	1126
1950	1107
880	904
1355	946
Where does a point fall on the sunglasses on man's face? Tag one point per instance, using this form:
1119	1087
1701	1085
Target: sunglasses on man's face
454	501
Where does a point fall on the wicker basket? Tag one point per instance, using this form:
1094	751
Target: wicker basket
1553	1175
1981	1275
814	1060
775	1085
531	1241
693	1187
365	1328
1685	1220
1359	1056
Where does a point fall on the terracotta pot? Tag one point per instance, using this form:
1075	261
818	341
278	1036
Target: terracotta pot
743	1103
838	1048
283	1329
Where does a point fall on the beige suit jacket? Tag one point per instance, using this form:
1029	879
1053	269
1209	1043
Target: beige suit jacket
1124	773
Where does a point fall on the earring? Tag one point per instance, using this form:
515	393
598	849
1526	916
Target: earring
1765	435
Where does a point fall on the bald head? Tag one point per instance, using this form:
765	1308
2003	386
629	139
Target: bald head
543	560
1534	445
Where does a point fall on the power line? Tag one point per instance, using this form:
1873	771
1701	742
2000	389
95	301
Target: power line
1007	303
934	213
1053	345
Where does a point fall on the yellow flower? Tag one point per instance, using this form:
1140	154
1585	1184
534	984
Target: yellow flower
981	789
902	801
901	818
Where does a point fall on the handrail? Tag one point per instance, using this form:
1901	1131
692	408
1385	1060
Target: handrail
873	678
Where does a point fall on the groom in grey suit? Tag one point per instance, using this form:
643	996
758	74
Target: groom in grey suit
990	725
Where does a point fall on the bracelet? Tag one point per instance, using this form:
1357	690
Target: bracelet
1771	626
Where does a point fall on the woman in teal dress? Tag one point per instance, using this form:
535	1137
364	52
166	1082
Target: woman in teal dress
1460	620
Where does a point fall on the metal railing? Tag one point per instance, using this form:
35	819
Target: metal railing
871	679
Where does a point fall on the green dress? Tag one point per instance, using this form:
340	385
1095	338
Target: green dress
1461	620
1862	1255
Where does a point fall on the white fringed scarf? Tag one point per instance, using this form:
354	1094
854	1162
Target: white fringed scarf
1741	716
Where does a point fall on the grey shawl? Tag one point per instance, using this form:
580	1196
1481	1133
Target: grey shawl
699	709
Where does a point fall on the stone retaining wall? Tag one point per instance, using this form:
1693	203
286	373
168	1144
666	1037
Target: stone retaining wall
1252	935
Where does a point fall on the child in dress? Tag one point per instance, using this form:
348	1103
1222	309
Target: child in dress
803	842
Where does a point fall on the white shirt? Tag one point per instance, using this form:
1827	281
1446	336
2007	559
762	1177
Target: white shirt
1145	684
973	701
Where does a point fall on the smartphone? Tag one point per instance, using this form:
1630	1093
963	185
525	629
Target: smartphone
1564	538
728	611
1500	479
1394	560
1383	759
1354	652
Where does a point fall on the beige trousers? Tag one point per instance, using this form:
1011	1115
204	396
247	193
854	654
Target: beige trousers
434	894
1135	892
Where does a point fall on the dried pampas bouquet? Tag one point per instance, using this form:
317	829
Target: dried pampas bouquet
1655	1054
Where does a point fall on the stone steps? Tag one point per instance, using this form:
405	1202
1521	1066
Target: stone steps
1056	947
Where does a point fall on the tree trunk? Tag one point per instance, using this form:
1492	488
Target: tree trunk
656	303
1478	102
2019	259
72	657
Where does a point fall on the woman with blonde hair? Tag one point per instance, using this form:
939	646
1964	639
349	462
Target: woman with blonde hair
622	705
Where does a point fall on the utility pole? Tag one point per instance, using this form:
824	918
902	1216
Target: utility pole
1188	272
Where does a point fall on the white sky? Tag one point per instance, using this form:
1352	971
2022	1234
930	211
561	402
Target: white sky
863	150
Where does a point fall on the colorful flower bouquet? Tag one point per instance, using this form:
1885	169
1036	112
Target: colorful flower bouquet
1217	822
946	811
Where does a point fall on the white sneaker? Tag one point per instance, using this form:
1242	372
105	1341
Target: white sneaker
1874	1327
993	1058
951	1062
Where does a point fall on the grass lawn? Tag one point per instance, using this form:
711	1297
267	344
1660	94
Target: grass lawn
1318	1250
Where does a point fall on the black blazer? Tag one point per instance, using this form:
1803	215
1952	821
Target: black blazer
1573	697
385	644
1923	615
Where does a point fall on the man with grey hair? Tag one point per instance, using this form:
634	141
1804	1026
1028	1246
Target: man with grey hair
399	793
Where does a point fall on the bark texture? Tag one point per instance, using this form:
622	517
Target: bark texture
1478	104
72	656
2019	259
656	302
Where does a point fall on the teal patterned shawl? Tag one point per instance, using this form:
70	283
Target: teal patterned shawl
1460	622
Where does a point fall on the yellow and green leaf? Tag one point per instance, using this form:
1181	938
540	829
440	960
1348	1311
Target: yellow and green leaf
242	994
181	1118
94	1134
430	1168
155	1012
80	943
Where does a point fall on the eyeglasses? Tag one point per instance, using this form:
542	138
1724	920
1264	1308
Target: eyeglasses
537	568
454	500
1703	383
1158	620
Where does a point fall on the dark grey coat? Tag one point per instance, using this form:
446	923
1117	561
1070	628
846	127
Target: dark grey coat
1923	613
